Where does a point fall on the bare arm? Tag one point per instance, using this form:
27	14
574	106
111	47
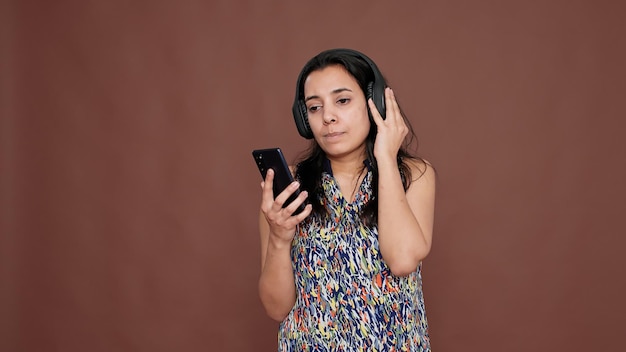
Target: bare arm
405	219
277	228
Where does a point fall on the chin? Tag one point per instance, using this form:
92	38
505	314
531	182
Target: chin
337	150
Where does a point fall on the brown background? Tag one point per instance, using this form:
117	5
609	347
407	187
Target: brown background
129	198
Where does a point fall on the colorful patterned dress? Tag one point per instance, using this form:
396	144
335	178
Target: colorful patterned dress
347	297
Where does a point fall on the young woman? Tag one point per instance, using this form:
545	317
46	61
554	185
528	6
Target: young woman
345	274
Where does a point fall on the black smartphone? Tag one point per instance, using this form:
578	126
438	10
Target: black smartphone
273	158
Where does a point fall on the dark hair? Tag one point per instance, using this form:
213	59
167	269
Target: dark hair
310	165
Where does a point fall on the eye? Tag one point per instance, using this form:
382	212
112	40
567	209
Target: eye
314	108
343	101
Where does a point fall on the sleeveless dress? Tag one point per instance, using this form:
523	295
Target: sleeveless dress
347	297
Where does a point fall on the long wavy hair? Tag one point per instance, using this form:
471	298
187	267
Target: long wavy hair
310	163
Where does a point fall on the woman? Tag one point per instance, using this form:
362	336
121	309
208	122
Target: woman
345	274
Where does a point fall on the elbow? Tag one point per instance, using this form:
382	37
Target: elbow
403	269
275	315
405	265
277	308
275	312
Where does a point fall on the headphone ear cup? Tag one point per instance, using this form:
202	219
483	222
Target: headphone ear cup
302	121
305	121
376	91
368	95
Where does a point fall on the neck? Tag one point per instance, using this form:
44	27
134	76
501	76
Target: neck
349	173
348	166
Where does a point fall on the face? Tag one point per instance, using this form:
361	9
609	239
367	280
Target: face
337	111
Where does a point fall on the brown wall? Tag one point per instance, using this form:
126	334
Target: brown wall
129	198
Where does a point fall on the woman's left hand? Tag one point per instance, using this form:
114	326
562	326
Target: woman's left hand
391	131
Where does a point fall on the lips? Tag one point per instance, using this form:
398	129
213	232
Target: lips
333	134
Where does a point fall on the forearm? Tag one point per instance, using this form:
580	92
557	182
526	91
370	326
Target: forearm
403	243
276	284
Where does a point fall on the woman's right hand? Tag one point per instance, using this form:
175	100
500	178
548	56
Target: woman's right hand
281	221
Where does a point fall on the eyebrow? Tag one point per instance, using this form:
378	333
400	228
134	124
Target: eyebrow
335	91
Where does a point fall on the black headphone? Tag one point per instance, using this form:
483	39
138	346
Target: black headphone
375	90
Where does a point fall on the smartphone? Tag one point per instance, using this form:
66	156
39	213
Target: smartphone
273	158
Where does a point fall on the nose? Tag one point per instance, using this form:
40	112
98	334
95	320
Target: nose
329	116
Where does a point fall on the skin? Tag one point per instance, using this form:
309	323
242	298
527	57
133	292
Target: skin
337	112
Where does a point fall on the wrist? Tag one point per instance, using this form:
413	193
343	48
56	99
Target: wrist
278	243
386	162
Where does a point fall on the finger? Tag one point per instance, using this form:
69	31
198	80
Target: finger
268	186
306	212
268	183
393	110
396	107
296	219
397	113
293	206
378	120
286	193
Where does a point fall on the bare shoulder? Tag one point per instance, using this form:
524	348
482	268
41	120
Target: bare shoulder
422	171
421	192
